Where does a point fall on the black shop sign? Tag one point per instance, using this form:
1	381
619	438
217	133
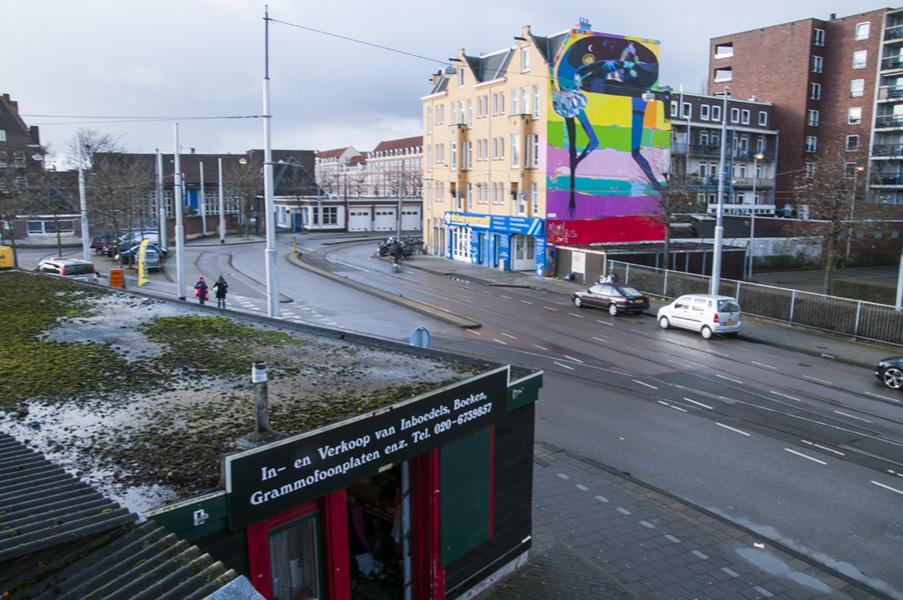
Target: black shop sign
268	480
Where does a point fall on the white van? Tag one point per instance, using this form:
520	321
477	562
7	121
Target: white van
705	313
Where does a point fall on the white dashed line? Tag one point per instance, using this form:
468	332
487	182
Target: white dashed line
505	297
882	397
648	385
701	555
815	460
677	408
508	335
569	357
623	511
671	538
647	524
681	363
663	403
576	315
731	379
582	487
887	487
598	339
690	400
543	348
526	302
837	452
730	572
563	476
487	292
602	499
473	331
500	341
604	322
786	396
731	428
763	365
550	308
563	365
840	412
817	379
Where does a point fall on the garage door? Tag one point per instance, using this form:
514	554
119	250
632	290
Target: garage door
359	219
410	219
385	219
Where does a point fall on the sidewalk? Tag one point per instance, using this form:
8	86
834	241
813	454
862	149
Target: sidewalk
602	535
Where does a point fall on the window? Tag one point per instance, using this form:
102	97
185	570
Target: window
744	116
724	50
453	155
849	169
534	150
812	120
536	101
743	145
19	159
859	59
815	91
525	59
851	143
524	101
2	135
495	148
716	112
330	215
763	118
501	148
723	75
735	115
703	138
515	147
534	198
862	31
673	109
469	113
495	104
440	114
686	110
704	112
429	117
760	145
440	153
460	76
501	103
857	86
811	143
854	115
514	101
818	64
468	156
819	37
809	170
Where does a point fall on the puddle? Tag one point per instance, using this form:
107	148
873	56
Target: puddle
773	565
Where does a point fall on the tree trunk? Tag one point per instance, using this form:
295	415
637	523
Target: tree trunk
59	239
829	265
667	238
12	244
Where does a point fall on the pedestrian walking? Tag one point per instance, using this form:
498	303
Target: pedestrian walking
220	288
200	290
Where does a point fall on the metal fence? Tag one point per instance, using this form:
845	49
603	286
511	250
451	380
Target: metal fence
857	318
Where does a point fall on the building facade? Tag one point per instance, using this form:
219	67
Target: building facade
751	152
555	140
835	85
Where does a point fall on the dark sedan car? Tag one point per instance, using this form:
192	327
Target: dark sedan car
890	372
616	298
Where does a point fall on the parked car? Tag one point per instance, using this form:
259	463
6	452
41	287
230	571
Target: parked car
153	255
615	297
704	313
98	243
890	372
70	268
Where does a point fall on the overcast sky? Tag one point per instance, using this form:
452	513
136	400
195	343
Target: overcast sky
205	57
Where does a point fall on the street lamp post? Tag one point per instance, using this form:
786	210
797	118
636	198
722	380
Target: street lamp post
222	204
83	204
752	225
180	227
715	284
268	203
856	171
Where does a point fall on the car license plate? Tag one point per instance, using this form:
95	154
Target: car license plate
640	301
729	323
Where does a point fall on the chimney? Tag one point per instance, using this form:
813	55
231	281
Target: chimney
833	16
192	150
525	32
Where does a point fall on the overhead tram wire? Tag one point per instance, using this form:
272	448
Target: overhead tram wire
131	119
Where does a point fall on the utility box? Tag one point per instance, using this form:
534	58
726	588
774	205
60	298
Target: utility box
6	257
117	278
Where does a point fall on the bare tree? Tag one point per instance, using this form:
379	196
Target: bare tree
244	179
676	198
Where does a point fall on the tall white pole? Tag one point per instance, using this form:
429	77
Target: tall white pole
715	286
400	205
268	204
752	225
161	205
202	202
83	204
222	204
178	207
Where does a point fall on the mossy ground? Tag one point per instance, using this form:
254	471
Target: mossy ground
168	418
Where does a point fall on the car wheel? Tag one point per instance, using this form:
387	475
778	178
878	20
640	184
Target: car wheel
893	378
578	302
664	323
706	332
613	309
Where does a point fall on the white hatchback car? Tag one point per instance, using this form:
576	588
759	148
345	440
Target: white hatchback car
704	313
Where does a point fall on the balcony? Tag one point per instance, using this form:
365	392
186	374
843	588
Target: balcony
760	182
887	150
889	92
889	121
894	33
891	62
890	179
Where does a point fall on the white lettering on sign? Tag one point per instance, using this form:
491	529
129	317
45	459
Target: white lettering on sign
384	433
472	399
415	420
302	462
259	497
343	446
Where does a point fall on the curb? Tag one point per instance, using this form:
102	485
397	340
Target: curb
421	307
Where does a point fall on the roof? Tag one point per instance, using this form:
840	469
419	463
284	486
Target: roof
11	108
334	153
408	142
61	538
549	46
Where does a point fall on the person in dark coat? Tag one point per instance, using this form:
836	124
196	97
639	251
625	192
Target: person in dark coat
200	290
220	288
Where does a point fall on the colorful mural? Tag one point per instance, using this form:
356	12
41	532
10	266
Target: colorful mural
608	136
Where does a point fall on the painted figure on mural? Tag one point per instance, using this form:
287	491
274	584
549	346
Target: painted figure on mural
604	65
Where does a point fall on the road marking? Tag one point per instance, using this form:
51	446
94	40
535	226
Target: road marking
582	487
526	302
505	297
563	365
882	397
662	402
604	322
487	292
602	499
623	511
598	339
698	403
671	538
543	348
791	451
681	363
550	308
576	360
840	412
576	315
473	331
701	555
887	487
785	396
731	379
837	452
817	379
563	476
508	335
765	593
678	408
730	572
731	428
632	330
763	365
647	524
648	385
500	341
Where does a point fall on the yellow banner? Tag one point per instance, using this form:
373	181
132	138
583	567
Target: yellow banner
142	264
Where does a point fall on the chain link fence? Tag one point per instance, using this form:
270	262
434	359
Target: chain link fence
857	318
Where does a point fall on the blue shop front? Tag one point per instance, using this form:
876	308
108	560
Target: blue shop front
497	241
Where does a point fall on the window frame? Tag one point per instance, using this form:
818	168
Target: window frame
861	91
864	54
811	144
818	63
850	120
814	91
846	143
818	37
704	112
763	118
857	36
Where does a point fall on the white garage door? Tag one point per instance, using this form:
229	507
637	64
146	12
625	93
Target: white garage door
359	219
385	219
410	219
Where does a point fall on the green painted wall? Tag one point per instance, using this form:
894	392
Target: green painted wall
464	495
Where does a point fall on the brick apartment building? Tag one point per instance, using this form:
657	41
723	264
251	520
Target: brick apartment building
833	81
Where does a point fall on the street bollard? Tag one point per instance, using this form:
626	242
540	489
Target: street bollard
261	414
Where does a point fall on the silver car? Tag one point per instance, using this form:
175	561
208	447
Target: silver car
704	313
